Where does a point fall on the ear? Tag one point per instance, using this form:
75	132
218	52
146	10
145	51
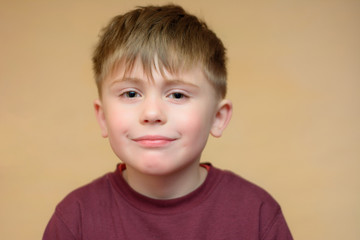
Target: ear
222	118
100	117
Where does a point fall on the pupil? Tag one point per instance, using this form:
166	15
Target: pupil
132	94
177	95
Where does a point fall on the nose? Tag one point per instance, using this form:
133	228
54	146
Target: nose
153	111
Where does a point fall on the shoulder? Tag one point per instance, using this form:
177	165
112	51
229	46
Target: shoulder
95	193
250	204
78	209
238	187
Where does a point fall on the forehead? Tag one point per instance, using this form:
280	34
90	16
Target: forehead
156	72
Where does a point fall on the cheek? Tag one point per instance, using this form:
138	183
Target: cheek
119	120
195	122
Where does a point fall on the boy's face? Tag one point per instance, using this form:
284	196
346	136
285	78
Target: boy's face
160	126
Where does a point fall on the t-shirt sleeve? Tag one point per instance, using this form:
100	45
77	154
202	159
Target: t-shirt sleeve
57	229
277	229
66	221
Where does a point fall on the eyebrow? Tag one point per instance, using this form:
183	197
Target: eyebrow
126	79
180	82
167	82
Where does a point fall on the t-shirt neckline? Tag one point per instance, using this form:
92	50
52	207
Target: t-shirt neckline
162	206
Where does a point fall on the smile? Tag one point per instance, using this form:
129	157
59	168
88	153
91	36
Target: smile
153	141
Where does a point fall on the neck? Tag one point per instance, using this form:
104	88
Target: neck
166	187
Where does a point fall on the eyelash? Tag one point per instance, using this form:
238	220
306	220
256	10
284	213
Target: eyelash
130	94
176	96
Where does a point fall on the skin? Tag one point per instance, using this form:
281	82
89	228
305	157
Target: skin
159	127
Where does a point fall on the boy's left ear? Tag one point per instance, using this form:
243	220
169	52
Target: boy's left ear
222	118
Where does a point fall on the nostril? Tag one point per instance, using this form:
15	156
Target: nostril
153	121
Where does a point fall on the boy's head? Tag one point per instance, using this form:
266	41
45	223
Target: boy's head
162	78
165	36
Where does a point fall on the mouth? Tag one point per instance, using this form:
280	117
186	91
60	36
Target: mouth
153	141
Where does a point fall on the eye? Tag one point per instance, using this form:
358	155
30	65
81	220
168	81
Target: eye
177	95
130	94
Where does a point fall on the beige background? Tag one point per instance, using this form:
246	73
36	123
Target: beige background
294	78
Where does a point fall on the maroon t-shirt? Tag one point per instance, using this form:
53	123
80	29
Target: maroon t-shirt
225	206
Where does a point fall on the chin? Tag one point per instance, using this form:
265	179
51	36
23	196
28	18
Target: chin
157	169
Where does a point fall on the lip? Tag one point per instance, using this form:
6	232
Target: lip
153	141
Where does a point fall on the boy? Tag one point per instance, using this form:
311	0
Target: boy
161	78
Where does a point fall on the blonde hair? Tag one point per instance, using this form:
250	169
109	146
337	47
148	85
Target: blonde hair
166	34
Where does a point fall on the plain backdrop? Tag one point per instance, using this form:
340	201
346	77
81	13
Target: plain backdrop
294	79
